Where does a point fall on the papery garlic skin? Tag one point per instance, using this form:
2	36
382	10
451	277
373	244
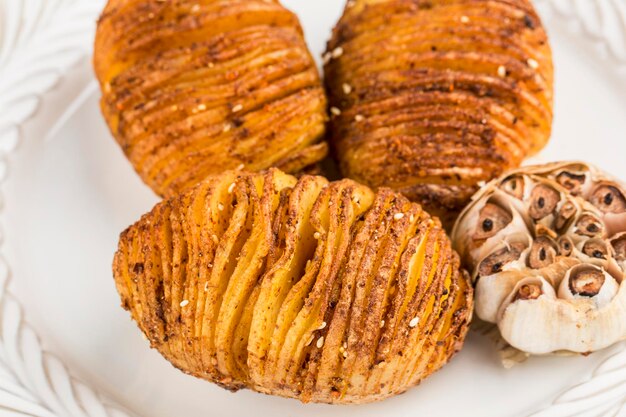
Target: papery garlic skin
608	289
548	325
565	290
494	289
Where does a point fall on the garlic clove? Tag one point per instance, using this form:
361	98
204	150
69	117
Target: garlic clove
509	253
566	245
514	185
491	219
487	223
528	289
588	224
608	198
586	281
596	249
572	181
491	291
583	280
565	215
498	260
543	252
543	201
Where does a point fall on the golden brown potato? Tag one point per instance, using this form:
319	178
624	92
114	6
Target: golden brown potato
303	288
193	88
431	97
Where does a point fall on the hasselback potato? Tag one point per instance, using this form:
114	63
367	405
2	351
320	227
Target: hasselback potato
193	88
320	291
432	97
546	246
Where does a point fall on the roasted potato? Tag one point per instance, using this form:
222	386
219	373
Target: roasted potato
193	88
431	97
325	292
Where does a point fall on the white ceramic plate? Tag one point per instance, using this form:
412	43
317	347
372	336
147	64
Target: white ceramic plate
69	191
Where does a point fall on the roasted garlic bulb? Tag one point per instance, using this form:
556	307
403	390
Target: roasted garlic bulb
546	246
431	97
193	88
320	291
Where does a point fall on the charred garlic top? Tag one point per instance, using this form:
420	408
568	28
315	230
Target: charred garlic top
546	247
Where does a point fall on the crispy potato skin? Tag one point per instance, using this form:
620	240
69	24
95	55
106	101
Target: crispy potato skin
193	88
435	96
324	292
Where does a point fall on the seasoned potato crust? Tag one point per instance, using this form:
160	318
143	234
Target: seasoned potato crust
431	97
193	88
320	291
